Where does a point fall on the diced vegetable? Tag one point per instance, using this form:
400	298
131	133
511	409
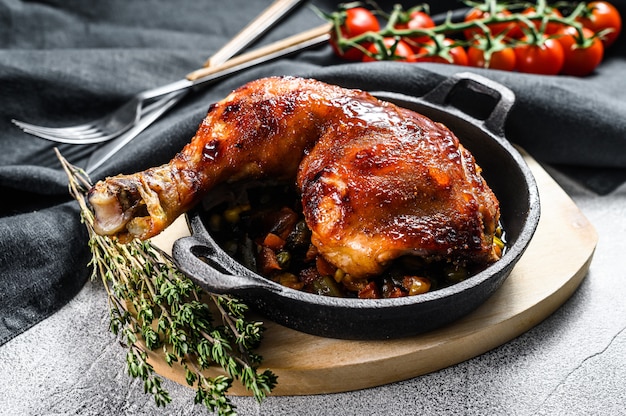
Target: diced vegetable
266	232
416	285
370	291
326	286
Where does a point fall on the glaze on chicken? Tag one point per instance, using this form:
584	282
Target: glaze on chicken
377	181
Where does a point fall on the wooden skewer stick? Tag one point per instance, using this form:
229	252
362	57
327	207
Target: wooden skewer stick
280	48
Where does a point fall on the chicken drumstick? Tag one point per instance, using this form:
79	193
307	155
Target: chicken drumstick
377	181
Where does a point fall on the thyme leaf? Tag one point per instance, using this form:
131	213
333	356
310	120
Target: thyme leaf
155	307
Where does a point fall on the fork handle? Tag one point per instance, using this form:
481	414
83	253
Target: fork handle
274	50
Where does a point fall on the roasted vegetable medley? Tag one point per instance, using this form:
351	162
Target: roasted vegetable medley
262	227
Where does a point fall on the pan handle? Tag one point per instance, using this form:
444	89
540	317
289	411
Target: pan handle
215	271
505	98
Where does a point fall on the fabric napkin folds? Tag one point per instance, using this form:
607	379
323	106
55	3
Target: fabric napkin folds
64	62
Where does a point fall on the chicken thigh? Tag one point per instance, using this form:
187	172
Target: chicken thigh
377	181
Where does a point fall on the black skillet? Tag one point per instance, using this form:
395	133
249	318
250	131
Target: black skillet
207	264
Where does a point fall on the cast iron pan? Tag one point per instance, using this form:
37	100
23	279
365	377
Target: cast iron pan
206	263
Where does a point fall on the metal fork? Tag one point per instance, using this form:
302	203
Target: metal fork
147	103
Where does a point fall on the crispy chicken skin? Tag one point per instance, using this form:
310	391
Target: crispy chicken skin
377	181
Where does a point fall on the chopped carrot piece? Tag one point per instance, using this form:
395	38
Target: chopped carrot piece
273	241
370	291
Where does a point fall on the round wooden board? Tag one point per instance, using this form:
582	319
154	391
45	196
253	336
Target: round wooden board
551	269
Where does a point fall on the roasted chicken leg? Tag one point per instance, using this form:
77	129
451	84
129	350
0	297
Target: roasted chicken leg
377	181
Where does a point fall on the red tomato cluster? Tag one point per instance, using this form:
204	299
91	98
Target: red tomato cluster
522	39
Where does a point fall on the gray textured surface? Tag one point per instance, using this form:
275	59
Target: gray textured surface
572	363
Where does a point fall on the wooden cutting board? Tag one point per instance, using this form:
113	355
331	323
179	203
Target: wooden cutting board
551	269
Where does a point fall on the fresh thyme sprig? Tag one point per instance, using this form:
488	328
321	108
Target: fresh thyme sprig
155	306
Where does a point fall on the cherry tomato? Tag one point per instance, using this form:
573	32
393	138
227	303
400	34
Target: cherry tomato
457	53
402	53
358	21
417	20
503	59
495	28
544	58
580	61
603	15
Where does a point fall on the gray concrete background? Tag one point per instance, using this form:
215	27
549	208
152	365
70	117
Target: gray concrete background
573	363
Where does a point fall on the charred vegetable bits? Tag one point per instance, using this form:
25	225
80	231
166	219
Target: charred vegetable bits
262	227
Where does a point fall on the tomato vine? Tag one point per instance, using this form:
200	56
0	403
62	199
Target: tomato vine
537	37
